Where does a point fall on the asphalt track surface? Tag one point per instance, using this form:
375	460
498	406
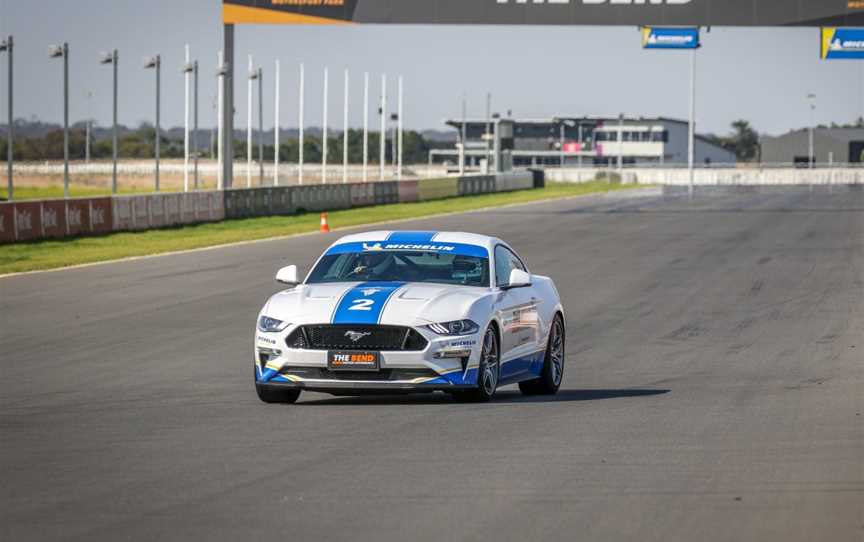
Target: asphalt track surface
714	390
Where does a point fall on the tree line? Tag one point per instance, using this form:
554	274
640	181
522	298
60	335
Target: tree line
140	144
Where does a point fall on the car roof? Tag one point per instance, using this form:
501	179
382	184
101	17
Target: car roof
422	237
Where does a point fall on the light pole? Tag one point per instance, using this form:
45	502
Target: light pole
252	76
324	131
345	132
276	128
190	69
811	157
57	51
187	72
87	128
463	133
301	122
399	120
365	126
691	126
195	119
260	127
155	62
111	58
222	71
382	112
7	45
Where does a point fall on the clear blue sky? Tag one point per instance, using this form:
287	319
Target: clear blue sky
758	74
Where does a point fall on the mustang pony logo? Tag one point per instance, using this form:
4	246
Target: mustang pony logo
356	335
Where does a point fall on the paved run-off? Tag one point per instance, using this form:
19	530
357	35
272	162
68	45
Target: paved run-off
714	391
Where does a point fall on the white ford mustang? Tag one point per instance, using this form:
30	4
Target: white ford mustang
411	311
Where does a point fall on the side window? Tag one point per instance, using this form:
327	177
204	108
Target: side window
505	262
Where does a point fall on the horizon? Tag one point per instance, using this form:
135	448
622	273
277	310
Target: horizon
758	74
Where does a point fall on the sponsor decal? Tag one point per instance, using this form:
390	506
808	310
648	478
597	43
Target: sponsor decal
98	216
73	215
670	38
266	340
462	343
842	43
24	220
49	218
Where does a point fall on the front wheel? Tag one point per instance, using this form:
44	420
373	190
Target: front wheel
553	364
489	371
276	395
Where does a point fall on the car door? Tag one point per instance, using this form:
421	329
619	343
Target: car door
517	312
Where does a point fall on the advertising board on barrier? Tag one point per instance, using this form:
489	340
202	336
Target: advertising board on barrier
842	43
670	38
54	218
7	226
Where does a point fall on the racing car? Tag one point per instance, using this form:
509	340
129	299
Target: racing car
411	311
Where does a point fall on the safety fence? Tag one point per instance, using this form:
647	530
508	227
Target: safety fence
53	219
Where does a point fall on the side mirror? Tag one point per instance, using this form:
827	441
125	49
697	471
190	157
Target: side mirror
287	275
519	279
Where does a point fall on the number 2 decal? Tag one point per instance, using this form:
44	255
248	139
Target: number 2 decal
362	305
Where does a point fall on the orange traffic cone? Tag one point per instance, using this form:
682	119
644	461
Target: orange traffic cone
325	227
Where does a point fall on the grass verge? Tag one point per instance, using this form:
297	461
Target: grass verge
42	255
56	191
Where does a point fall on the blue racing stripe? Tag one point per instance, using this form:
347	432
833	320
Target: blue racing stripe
364	303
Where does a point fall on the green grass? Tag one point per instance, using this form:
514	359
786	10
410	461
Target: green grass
56	191
62	253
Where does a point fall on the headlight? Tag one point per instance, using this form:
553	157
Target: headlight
271	325
456	327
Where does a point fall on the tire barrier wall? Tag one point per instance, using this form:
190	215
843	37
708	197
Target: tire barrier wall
429	189
508	182
54	219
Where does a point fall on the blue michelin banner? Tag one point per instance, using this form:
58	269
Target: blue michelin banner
670	38
842	43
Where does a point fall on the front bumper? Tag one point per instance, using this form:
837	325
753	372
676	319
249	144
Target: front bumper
401	371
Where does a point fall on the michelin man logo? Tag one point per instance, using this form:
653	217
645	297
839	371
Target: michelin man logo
374	246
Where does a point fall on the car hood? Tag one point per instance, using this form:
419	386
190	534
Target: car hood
392	303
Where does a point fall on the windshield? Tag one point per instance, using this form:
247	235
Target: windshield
401	265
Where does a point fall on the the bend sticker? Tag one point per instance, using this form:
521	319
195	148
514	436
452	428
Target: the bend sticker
364	303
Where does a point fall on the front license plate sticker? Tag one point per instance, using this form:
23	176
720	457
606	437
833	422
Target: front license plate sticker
353	361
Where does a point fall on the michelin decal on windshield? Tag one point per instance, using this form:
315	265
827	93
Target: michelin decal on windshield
371	247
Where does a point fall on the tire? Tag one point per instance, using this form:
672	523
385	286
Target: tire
489	371
553	363
276	395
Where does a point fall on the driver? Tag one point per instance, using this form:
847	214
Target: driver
374	264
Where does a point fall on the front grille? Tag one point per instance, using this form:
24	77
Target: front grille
385	375
339	337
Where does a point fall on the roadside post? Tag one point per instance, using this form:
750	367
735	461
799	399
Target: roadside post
654	37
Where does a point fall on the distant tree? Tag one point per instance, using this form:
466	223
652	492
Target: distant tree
745	140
